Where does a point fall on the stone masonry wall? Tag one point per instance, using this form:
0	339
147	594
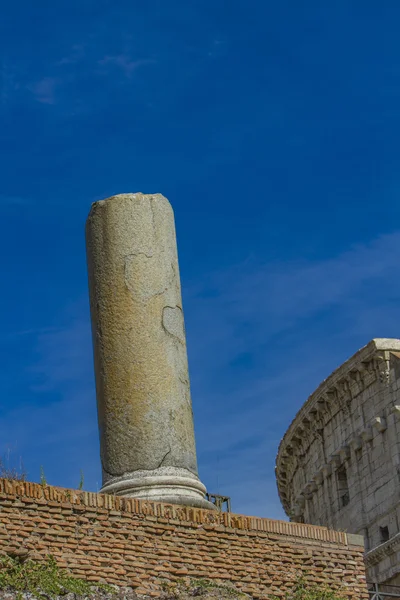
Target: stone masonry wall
339	462
140	543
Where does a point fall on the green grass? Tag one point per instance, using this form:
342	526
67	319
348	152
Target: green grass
42	579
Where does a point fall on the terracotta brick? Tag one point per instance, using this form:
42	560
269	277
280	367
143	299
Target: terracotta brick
138	543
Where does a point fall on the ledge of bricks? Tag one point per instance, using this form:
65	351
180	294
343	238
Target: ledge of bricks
138	543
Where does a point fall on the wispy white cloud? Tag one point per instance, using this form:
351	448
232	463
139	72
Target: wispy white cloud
77	54
296	321
55	425
59	83
260	336
44	90
64	356
14	78
125	63
252	301
27	332
218	48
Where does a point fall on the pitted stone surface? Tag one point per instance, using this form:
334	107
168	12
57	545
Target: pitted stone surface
173	322
144	288
142	381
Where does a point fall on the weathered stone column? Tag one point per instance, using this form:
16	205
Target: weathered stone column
142	383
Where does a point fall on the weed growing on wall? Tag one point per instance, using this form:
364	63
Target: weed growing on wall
304	591
10	471
43	480
184	590
42	579
81	481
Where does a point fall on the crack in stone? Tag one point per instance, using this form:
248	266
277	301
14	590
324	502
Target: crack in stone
164	457
181	337
130	285
153	220
137	254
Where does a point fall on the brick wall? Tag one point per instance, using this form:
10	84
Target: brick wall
140	543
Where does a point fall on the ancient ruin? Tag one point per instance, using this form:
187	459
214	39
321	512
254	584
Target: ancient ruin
148	545
338	464
152	529
142	381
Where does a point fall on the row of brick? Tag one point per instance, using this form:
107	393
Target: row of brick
141	544
60	498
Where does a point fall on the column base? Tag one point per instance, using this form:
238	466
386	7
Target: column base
171	485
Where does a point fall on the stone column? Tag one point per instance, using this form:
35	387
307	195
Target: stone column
142	384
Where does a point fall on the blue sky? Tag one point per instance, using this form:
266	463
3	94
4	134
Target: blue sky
273	129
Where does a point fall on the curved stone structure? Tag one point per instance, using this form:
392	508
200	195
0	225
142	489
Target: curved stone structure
142	383
338	464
